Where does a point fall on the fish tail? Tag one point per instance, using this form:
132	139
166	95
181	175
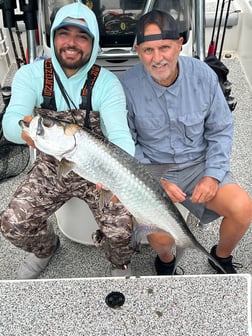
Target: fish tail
209	256
179	254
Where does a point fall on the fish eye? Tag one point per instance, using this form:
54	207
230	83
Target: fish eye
48	122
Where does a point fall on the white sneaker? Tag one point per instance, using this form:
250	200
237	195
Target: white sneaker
32	266
124	271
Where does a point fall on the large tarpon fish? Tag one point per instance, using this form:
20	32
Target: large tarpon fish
99	161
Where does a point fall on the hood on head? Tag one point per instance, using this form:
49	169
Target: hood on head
76	14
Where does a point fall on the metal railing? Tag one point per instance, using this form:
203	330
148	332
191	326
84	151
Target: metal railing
4	48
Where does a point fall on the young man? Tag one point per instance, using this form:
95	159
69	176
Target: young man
177	114
57	86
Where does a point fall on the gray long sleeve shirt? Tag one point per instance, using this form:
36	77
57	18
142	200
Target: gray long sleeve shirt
183	122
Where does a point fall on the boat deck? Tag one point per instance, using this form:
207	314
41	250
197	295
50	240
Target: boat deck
77	260
78	274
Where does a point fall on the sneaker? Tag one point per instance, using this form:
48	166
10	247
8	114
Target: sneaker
163	268
32	266
123	271
226	263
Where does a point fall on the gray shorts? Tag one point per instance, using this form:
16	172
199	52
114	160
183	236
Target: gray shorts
186	177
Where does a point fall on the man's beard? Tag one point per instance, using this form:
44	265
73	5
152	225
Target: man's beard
72	65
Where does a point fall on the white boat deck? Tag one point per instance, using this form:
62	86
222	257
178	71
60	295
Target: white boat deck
76	261
69	297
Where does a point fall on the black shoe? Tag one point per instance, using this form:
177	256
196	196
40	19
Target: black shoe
163	268
226	263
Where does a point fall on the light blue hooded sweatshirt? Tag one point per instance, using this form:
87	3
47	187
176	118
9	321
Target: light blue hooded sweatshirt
107	95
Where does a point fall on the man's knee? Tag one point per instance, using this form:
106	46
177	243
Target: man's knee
241	205
245	211
8	221
233	202
14	225
241	211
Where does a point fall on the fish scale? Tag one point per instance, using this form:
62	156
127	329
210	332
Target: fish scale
138	191
100	161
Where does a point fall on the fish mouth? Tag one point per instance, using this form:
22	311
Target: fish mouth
40	129
23	123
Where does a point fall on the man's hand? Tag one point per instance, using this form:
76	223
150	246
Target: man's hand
205	190
173	191
25	136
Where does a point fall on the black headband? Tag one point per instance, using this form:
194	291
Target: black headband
165	35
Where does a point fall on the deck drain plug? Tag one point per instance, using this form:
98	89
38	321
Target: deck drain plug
115	299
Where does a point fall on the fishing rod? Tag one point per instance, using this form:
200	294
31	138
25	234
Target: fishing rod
211	48
20	42
19	61
224	28
5	48
29	9
219	25
8	12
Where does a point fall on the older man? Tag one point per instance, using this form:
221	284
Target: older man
178	114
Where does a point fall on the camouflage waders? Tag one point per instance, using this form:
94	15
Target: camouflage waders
24	221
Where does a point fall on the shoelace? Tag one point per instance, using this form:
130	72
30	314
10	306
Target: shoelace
237	265
182	272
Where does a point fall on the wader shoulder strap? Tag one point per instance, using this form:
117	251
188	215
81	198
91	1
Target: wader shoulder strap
86	92
49	101
48	90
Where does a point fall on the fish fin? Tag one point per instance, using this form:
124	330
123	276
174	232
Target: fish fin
70	129
157	170
179	254
65	167
209	256
105	197
216	263
141	231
